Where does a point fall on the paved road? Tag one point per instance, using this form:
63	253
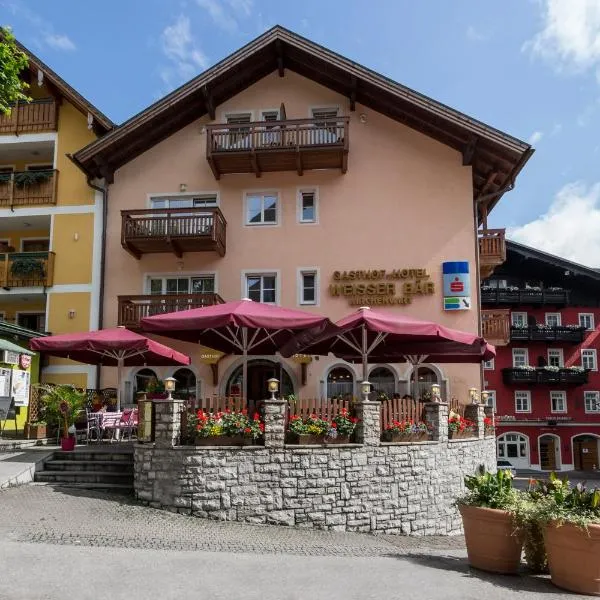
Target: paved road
95	545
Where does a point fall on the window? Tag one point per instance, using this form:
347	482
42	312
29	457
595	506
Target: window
558	402
33	321
39	167
181	285
202	201
309	290
262	288
518	319
239	137
489	365
586	320
269	116
553	319
520	357
592	402
588	359
39	245
307	206
383	382
511	445
340	383
261	209
326	130
555	357
522	402
491	399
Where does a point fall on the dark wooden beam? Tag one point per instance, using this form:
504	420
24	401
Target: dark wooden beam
344	162
213	167
299	165
469	151
280	66
208	102
354	85
175	246
105	170
254	163
129	248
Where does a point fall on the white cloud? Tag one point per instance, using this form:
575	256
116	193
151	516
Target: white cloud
570	226
535	137
227	14
59	42
475	35
570	36
185	57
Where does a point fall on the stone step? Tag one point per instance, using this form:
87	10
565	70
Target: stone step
116	488
119	466
84	477
86	455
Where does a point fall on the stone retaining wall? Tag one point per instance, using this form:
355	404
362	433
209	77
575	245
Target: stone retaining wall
391	488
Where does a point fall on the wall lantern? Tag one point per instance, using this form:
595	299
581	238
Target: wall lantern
435	392
473	395
170	386
365	388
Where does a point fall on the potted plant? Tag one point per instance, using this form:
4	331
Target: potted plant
342	428
406	431
155	389
229	428
26	178
459	427
493	541
36	430
65	403
27	267
310	430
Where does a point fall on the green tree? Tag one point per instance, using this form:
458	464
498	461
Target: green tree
12	62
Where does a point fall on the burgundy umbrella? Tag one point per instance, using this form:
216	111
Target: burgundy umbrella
241	327
116	347
379	336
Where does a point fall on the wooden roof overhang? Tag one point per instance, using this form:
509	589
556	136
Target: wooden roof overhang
495	157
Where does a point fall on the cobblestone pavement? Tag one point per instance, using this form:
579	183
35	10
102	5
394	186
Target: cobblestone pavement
41	513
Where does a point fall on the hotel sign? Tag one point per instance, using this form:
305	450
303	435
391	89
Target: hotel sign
380	287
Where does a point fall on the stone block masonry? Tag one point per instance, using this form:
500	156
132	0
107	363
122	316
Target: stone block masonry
372	487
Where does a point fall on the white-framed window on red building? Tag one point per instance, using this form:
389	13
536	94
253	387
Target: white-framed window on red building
587	320
556	357
588	359
522	401
489	365
518	319
591	401
558	402
520	357
553	319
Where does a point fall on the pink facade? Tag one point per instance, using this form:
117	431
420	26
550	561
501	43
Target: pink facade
405	202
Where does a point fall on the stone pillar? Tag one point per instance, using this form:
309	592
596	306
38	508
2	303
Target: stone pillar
436	415
167	422
476	413
368	428
275	423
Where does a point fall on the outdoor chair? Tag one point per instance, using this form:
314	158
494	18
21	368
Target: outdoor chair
92	426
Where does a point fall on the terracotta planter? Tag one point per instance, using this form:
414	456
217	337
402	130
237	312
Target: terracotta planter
574	557
67	444
305	439
461	435
35	432
491	541
420	436
340	439
224	440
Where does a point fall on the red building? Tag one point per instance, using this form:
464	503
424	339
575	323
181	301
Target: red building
543	314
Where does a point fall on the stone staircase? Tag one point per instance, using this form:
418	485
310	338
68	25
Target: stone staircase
105	468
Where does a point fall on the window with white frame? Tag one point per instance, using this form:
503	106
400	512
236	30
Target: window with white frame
307	206
518	319
586	320
591	401
588	359
555	357
522	402
309	287
553	319
193	284
520	357
262	208
184	201
262	287
558	402
489	365
491	399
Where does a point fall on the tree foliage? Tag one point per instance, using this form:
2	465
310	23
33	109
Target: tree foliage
12	62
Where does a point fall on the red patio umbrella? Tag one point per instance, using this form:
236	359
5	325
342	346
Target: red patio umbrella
116	347
379	336
240	327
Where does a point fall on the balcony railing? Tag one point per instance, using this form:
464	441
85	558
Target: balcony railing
26	269
552	296
492	250
32	117
545	333
495	326
292	145
544	376
175	230
134	308
28	188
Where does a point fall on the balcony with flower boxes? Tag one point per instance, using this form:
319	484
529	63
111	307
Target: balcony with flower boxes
569	334
32	117
545	376
26	269
553	296
28	188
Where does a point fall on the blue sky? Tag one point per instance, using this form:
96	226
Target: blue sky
528	67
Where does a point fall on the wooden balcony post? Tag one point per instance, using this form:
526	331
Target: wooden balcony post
5	274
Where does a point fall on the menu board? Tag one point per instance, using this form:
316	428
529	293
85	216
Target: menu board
5	382
20	387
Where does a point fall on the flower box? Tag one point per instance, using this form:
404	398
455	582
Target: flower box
305	439
340	439
418	436
461	435
224	440
35	431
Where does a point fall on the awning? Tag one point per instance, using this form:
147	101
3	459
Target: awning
6	345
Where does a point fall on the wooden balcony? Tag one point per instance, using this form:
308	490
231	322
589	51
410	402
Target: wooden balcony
540	296
297	145
175	230
492	250
544	376
134	308
26	269
28	188
544	333
34	117
495	326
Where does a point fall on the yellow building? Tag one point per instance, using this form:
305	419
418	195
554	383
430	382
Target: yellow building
50	218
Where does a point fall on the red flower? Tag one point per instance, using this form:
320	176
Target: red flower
261	426
334	425
257	417
244	411
247	430
354	420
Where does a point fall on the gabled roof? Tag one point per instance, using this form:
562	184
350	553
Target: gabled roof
101	121
496	157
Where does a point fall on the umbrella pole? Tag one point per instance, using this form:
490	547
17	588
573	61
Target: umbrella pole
365	355
120	364
245	365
